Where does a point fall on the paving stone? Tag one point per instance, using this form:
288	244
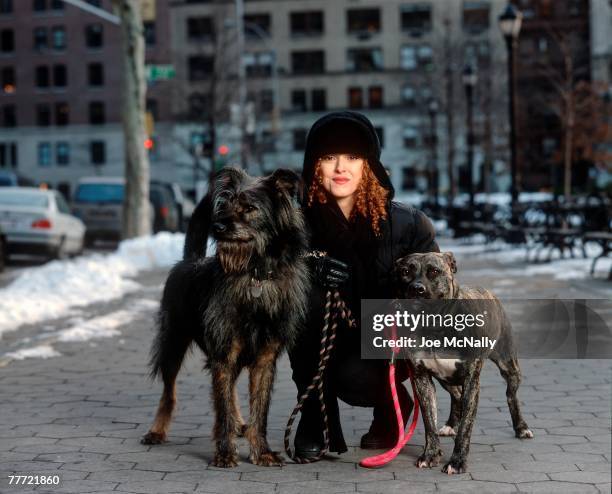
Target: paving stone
482	487
394	486
556	487
509	476
156	486
583	477
310	486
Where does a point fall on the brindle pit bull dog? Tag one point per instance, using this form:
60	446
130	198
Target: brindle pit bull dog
431	276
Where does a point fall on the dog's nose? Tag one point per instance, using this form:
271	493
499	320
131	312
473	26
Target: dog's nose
219	227
418	288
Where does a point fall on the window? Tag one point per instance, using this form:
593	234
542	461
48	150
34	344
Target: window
475	16
298	100
307	23
7	76
380	132
44	154
266	100
408	95
8	155
355	97
6	6
308	62
58	35
60	76
200	29
40	38
10	116
375	96
411	137
408	60
408	178
57	5
319	99
7	40
416	56
94	36
39	5
361	21
62	153
416	19
364	59
255	25
97	152
199	105
43	115
258	64
200	67
42	76
97	113
299	139
62	114
95	74
149	33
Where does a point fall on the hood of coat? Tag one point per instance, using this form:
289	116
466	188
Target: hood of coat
344	132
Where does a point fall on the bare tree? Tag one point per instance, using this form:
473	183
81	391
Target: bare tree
136	213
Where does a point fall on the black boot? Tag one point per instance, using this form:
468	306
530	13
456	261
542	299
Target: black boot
383	431
309	434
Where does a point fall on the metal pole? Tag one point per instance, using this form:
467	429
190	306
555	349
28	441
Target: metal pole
511	43
241	80
469	93
434	185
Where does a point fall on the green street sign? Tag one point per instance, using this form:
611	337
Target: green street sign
159	72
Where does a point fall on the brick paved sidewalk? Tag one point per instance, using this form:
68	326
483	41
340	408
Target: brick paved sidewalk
81	416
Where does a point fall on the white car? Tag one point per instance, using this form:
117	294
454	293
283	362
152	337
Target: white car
37	221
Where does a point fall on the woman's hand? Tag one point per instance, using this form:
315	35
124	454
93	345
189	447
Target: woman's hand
329	272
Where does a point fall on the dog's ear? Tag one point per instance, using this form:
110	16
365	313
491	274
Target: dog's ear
198	228
449	257
288	182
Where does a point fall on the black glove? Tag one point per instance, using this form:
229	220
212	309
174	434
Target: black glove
329	272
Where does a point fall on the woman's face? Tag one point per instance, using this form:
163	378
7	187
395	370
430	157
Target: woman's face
341	173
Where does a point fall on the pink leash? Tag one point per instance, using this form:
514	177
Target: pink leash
403	438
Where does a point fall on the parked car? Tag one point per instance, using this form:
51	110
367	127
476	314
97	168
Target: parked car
181	204
11	179
167	211
98	201
36	221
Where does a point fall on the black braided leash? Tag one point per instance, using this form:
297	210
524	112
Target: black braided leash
330	325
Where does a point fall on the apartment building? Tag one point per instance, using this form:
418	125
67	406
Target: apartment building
60	97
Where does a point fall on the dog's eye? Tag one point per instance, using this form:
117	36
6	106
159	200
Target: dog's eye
405	272
433	272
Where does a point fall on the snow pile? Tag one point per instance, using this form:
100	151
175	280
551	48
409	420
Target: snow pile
51	290
42	351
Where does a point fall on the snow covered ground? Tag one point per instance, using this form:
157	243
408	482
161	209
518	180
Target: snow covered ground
56	288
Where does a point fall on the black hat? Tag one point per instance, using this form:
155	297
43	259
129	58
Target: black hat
344	132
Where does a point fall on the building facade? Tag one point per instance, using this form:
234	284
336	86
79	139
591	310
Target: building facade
60	104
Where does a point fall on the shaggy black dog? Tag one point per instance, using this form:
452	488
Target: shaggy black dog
242	307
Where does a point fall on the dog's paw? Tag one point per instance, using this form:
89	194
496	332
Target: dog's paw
153	438
454	467
225	460
447	430
524	433
268	459
427	460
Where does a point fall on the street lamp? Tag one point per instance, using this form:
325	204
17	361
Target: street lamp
510	22
433	107
469	82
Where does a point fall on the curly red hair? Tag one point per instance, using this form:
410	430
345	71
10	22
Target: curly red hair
370	200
